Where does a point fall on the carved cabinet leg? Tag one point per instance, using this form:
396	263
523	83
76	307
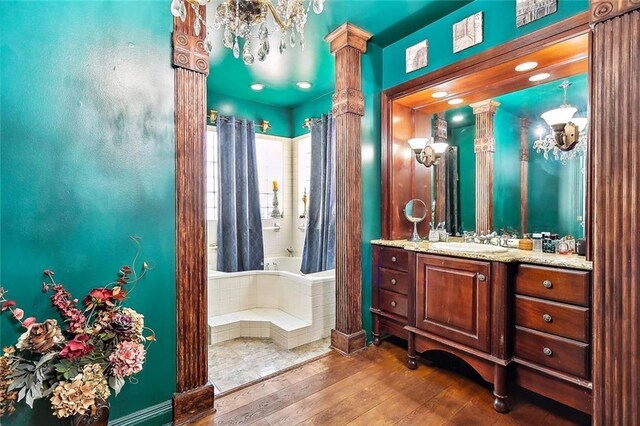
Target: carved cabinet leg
376	330
411	352
500	403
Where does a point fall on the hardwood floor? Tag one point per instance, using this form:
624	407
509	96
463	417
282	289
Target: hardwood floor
375	388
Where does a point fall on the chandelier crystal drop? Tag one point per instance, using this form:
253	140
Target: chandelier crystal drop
248	21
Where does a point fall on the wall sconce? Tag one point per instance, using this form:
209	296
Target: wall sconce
427	152
265	126
565	132
307	124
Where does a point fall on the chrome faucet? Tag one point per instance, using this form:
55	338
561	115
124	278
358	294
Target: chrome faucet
290	251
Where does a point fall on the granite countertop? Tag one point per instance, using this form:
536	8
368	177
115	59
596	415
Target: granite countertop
513	255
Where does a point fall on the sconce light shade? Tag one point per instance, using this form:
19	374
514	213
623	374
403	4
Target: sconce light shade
418	143
561	115
439	147
581	122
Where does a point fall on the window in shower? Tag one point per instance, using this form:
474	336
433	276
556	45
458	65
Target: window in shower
212	174
270	155
303	167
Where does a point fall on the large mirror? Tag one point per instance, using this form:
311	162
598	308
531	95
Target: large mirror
516	144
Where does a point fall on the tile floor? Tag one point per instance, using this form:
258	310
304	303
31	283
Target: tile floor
236	362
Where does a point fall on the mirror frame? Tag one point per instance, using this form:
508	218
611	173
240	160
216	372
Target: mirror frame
561	31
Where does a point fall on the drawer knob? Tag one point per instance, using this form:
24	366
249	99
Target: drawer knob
394	259
547	318
394	303
547	284
547	351
393	281
481	277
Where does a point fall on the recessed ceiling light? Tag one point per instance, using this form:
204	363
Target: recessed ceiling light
455	101
540	77
439	94
304	84
526	66
457	118
257	86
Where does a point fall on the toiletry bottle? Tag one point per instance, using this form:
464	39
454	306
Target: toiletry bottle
526	243
537	243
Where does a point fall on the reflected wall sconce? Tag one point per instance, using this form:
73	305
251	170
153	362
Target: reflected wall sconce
566	133
213	115
427	152
307	124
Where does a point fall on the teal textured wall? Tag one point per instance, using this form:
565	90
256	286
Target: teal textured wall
499	27
278	117
313	109
506	172
88	160
371	187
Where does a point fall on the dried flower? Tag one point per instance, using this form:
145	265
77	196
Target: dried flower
7	398
127	359
99	297
74	397
39	338
122	324
76	348
61	299
137	321
18	313
93	374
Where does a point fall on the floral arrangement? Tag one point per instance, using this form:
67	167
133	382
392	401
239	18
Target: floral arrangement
76	367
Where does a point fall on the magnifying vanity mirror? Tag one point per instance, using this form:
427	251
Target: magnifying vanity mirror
516	146
415	211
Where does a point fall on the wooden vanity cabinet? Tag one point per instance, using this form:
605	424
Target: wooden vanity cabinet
461	308
552	334
393	276
453	299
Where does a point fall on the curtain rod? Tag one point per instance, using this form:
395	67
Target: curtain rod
264	126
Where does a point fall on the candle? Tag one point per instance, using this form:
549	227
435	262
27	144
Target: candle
275	185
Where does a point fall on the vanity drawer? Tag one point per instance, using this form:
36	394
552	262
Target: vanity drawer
394	280
560	319
393	303
397	259
561	285
554	352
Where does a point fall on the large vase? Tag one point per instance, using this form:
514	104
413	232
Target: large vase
98	417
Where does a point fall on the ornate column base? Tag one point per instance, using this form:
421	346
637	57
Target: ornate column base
193	404
348	344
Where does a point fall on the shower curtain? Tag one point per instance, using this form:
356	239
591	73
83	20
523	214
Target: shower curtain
239	238
320	242
452	213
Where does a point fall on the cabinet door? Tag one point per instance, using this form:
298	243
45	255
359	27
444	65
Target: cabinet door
453	299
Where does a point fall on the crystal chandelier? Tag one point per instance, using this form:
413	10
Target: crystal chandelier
248	20
568	138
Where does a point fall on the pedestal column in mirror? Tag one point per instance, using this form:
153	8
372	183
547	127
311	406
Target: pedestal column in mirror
348	43
524	172
484	148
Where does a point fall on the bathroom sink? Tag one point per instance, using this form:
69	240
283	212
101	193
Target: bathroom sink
469	247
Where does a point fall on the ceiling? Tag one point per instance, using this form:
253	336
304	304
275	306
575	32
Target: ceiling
531	102
387	20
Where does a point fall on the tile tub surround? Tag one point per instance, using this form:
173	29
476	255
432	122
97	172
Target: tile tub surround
513	255
292	309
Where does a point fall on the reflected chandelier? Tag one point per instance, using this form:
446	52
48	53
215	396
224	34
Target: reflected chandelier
568	138
247	20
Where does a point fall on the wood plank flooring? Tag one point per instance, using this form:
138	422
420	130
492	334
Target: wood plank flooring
375	388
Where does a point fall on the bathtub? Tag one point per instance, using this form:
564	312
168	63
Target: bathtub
279	302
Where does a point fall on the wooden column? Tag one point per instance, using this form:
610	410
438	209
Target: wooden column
615	207
440	135
484	147
348	43
194	393
524	173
